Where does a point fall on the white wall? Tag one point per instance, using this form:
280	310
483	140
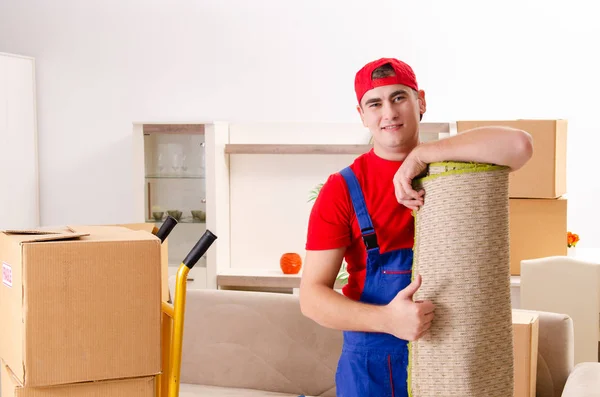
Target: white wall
262	227
103	65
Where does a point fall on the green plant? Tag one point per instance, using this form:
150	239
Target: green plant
312	195
343	275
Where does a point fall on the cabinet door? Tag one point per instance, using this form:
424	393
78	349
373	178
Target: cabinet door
19	207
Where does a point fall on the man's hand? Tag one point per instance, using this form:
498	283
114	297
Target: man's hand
406	319
410	168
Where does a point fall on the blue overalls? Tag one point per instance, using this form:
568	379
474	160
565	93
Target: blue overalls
375	364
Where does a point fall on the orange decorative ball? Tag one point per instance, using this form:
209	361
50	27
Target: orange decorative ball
290	263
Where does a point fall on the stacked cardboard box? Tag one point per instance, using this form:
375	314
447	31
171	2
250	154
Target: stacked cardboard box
525	351
538	210
80	311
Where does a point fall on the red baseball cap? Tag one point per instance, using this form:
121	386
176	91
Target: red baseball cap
404	75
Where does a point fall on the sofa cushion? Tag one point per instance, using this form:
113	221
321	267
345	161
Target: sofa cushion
257	340
584	381
189	390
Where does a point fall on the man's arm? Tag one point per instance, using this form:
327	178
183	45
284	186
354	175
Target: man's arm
493	145
401	317
327	307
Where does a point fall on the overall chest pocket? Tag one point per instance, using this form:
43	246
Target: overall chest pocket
390	273
396	263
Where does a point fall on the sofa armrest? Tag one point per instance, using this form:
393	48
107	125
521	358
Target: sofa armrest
584	381
555	353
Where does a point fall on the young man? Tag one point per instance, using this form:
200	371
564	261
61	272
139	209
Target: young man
363	214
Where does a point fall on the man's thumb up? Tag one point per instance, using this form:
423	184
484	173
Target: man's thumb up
411	288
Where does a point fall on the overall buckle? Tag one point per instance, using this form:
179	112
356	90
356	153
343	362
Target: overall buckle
370	240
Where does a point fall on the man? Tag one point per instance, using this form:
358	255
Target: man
363	214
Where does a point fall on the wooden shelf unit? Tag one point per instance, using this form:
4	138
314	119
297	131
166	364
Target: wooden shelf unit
262	148
259	278
173	128
295	149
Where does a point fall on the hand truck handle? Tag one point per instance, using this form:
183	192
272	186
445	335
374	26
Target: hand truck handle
166	228
199	249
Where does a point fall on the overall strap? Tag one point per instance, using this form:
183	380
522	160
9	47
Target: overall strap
360	208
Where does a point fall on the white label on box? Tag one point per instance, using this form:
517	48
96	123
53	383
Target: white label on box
6	274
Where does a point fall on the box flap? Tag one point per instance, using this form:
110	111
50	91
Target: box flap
524	316
114	233
148	227
10	376
45	234
80	232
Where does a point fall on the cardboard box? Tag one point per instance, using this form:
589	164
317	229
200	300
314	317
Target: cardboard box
525	350
135	387
545	175
538	228
164	255
79	307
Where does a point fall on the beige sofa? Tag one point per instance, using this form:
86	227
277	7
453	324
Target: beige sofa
247	344
556	373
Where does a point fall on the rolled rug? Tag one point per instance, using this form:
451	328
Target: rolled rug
462	252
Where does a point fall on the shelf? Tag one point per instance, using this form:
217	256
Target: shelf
175	177
173	128
259	278
295	149
188	220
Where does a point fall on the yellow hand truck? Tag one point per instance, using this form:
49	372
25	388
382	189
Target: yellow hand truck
167	384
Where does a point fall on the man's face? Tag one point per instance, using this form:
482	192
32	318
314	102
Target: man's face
392	114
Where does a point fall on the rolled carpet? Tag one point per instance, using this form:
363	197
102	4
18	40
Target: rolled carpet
462	252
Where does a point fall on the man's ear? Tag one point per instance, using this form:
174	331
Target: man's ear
362	116
422	102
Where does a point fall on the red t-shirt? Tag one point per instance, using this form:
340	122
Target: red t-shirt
333	223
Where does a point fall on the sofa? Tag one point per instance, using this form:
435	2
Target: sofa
254	344
557	375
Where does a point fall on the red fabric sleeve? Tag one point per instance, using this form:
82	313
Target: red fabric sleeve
329	224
